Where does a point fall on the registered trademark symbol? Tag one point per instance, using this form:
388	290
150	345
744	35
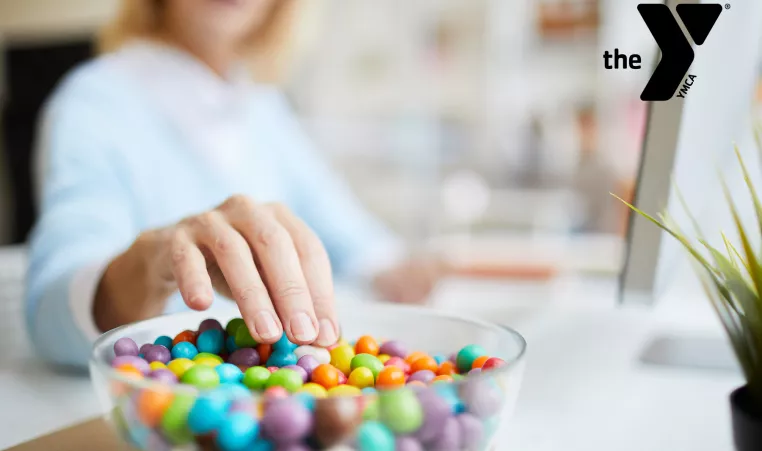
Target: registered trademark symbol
727	5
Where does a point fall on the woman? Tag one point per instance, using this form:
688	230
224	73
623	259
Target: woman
166	174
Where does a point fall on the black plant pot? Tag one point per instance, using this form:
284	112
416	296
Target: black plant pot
747	421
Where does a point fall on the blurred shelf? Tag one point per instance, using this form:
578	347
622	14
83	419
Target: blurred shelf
31	20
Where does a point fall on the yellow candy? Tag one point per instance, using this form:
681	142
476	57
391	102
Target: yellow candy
361	378
157	366
180	366
208	361
341	358
344	390
384	358
316	390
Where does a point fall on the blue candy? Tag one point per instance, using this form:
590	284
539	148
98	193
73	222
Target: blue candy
450	395
439	358
234	391
374	436
281	359
208	412
229	373
184	350
164	341
237	432
211	341
307	400
284	344
230	344
262	445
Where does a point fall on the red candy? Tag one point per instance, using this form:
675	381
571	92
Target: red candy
492	363
186	335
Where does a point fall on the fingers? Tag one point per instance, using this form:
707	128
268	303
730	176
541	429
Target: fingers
234	258
189	271
316	268
280	266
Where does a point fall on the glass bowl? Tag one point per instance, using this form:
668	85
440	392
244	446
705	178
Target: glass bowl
478	406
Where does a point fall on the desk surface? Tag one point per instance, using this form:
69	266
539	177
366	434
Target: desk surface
584	388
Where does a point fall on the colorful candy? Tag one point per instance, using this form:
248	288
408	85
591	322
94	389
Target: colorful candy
373	395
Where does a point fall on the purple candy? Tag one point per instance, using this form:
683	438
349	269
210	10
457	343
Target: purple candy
481	397
157	353
308	363
424	376
244	405
449	438
286	421
408	444
126	346
164	376
453	358
471	430
139	364
436	412
209	324
294	447
146	347
474	371
393	348
244	357
302	372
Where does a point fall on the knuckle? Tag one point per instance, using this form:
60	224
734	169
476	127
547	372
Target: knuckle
291	290
269	235
309	247
279	208
238	202
226	242
178	246
250	294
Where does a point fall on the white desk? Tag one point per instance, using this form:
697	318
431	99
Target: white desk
584	388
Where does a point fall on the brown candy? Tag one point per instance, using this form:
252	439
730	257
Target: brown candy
336	419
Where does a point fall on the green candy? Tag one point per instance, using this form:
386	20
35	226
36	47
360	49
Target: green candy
368	361
371	411
256	377
372	436
457	377
174	423
400	411
243	338
233	326
202	355
467	355
288	379
202	377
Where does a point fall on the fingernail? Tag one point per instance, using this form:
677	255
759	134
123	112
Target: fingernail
266	326
327	334
302	328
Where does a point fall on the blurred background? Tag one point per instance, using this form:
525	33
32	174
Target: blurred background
487	129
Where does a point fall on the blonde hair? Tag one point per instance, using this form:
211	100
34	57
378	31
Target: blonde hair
268	48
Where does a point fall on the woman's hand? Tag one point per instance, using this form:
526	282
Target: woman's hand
262	256
410	282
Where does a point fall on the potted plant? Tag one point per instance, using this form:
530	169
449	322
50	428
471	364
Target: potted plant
732	279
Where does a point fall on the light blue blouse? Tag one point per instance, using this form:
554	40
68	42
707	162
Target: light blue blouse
116	163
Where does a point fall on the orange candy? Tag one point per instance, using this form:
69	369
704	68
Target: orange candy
424	363
479	361
390	377
326	375
443	378
152	404
418	383
264	352
130	371
366	345
447	368
186	335
413	356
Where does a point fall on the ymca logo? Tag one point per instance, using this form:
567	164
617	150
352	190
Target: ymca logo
677	52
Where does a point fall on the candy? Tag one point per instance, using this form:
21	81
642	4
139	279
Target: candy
207	413
209	324
390	377
164	376
313	389
180	366
393	348
447	368
366	345
201	376
336	420
342	378
322	355
174	422
494	362
211	341
443	378
467	355
326	375
286	421
400	411
367	361
449	439
237	432
133	361
475	371
471	430
264	351
130	372
244	357
232	327
481	397
448	393
158	353
479	362
341	358
185	336
230	345
424	363
408	444
243	338
361	378
228	373
286	378
284	344
126	346
275	392
398	362
152	404
282	358
256	377
165	341
344	390
373	436
424	376
308	363
413	356
143	349
383	358
301	371
439	358
184	350
205	358
436	411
